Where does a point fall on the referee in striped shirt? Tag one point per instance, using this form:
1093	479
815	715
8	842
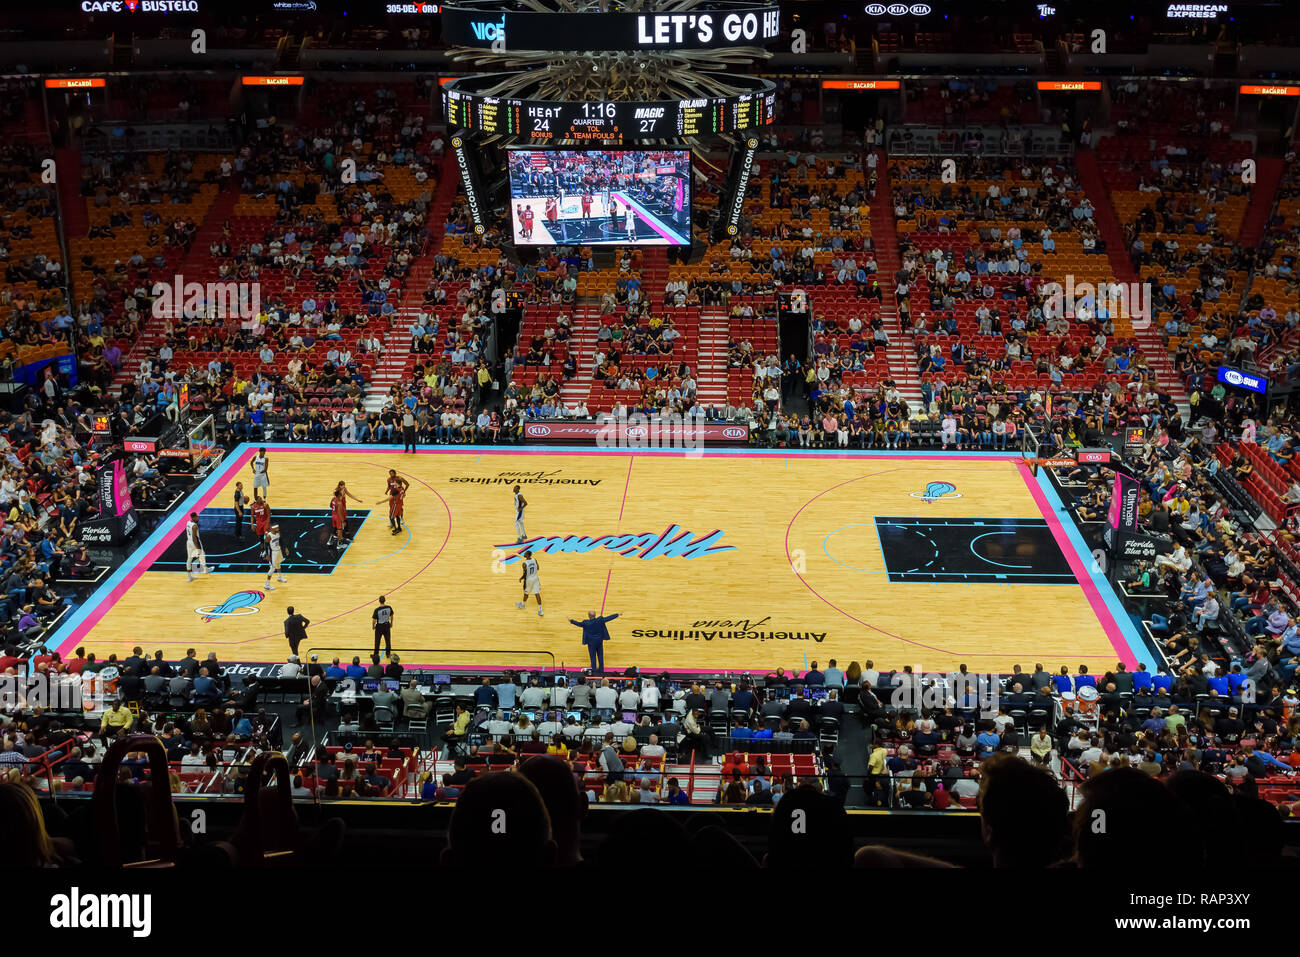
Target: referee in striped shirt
382	619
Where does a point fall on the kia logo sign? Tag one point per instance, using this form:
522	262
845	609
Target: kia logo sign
733	432
540	429
636	431
899	9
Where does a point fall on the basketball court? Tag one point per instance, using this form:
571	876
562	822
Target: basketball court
593	224
731	560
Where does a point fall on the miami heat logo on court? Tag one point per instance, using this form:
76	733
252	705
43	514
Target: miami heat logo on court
937	490
673	542
238	604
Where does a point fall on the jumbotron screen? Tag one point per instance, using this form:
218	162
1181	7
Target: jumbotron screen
600	197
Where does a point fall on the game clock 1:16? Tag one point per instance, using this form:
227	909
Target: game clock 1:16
635	119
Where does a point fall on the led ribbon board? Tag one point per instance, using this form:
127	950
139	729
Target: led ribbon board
740	24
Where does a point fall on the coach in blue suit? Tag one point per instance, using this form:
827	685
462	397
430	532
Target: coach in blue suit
594	636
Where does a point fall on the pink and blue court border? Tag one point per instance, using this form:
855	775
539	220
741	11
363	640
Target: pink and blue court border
1101	597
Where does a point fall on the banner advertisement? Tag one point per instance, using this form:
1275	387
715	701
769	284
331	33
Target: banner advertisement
720	433
117	519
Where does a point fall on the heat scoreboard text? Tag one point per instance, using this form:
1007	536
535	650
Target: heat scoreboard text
547	120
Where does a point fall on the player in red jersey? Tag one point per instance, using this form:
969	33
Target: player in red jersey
339	513
586	205
396	496
529	216
261	516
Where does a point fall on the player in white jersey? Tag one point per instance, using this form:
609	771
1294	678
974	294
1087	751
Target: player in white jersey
532	584
630	221
521	503
261	474
274	554
194	549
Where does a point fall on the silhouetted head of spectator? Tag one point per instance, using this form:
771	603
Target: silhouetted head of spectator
1024	814
565	803
808	829
644	830
499	818
1263	823
1123	810
1213	811
23	838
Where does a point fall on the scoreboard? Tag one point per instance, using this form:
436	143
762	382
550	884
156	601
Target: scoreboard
544	120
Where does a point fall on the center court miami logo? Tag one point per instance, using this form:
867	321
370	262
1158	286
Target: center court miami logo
240	603
937	490
672	542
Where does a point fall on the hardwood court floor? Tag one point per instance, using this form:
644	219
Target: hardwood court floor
920	559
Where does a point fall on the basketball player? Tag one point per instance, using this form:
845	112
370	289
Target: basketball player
240	500
339	513
613	218
630	222
586	206
194	549
519	218
552	213
529	216
396	497
273	552
521	503
532	584
261	516
261	473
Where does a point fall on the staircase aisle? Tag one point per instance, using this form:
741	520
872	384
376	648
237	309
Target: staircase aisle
711	376
1262	196
398	361
67	170
195	267
583	333
902	362
654	275
1148	339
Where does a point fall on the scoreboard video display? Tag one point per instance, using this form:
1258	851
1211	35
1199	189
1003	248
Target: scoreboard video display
665	119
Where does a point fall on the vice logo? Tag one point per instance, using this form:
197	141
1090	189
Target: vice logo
487	31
